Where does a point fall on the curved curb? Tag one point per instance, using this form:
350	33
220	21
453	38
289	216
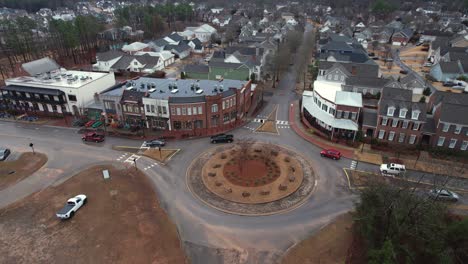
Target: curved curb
281	211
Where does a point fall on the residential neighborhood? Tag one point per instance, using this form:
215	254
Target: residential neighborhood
237	132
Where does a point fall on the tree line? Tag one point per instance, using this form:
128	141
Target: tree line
152	19
65	41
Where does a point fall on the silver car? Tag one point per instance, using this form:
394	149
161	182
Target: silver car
4	153
443	195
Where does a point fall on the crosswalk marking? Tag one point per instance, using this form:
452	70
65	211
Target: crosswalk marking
132	158
353	165
281	122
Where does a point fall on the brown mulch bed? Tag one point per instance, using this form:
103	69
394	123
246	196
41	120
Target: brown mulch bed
14	171
121	223
159	156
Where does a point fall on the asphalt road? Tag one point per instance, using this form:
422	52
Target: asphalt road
209	236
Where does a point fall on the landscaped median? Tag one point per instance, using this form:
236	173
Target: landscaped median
269	125
163	155
14	171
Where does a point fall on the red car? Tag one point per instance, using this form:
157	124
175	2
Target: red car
90	123
331	153
93	136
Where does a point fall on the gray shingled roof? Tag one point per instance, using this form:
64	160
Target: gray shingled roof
451	67
454	107
359	69
109	55
373	82
400	98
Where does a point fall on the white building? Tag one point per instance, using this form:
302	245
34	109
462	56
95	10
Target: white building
333	109
56	92
203	32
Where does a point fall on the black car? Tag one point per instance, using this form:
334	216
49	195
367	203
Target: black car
449	84
4	153
222	138
154	143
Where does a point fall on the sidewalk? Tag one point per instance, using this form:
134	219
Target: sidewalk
296	125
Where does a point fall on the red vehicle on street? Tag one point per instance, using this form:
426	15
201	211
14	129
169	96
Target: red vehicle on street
93	136
331	153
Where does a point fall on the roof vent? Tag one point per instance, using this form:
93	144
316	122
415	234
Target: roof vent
175	91
129	88
153	85
199	91
152	90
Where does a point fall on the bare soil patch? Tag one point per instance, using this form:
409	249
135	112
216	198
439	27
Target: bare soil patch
329	245
121	223
161	156
253	172
14	171
268	127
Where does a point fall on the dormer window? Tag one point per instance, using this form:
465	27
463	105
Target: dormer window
415	115
391	111
403	112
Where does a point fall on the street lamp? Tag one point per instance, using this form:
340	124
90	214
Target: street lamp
134	162
31	145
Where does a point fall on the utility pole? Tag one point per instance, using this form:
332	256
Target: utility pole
31	145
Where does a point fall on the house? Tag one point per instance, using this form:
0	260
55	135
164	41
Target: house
401	38
203	32
138	63
196	45
414	83
174	39
332	110
449	126
158	45
104	60
53	91
166	58
181	50
287	16
398	119
365	85
446	71
135	47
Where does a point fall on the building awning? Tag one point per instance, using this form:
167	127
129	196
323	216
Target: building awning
28	89
315	111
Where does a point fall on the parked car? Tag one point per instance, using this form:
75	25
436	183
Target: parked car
78	123
4	153
443	195
375	58
449	84
154	143
29	118
403	72
222	138
393	169
5	115
93	136
427	64
90	123
72	205
371	54
331	153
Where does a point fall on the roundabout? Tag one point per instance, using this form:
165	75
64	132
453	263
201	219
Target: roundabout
251	178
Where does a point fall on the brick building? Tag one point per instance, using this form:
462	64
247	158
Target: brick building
184	107
399	120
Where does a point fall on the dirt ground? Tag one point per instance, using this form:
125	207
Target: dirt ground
23	167
329	245
121	223
268	127
161	157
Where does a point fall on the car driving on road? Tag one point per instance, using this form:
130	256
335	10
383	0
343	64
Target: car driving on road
393	169
72	205
331	153
443	195
93	136
154	143
222	138
4	153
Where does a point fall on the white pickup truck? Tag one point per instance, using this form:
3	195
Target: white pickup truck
72	205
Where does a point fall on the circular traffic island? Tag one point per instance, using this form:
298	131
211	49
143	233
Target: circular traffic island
251	178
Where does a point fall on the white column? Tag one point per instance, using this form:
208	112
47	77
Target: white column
40	107
59	109
50	108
